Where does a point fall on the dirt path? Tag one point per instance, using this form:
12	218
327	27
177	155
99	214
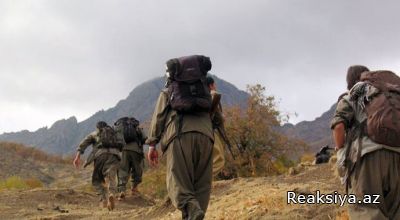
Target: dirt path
250	198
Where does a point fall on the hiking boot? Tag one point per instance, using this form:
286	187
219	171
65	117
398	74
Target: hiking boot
111	203
194	211
197	215
121	196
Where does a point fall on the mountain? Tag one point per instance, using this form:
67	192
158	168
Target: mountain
64	135
316	133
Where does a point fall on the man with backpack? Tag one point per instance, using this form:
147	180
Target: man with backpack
366	132
107	145
181	124
132	154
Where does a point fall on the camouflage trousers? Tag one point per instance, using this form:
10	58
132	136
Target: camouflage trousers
189	170
104	178
131	165
377	173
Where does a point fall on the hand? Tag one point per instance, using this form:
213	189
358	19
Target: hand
77	161
152	156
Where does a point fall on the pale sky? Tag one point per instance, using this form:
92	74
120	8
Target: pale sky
62	58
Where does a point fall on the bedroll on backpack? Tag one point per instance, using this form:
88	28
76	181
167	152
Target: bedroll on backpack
128	127
188	90
108	138
383	111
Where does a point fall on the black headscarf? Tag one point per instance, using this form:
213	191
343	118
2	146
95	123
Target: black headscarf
210	80
101	124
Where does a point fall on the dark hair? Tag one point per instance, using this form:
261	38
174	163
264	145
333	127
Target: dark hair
210	80
101	124
354	74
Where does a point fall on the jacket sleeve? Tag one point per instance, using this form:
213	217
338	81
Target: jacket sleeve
86	142
157	124
142	135
344	114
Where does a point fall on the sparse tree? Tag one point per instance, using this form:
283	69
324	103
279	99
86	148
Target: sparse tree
253	129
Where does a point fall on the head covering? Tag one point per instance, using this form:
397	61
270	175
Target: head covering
354	74
101	124
210	80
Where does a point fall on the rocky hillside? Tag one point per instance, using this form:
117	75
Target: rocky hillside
17	160
315	133
64	135
242	198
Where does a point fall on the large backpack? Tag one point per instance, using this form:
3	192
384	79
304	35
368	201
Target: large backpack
108	137
383	111
128	127
187	89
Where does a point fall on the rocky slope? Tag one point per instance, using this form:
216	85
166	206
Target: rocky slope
64	135
243	198
316	133
24	162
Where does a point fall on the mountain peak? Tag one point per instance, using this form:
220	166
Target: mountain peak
316	133
64	135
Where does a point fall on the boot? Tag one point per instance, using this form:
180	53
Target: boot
111	203
103	203
134	190
194	211
185	215
121	196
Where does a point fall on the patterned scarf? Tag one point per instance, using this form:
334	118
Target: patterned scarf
361	93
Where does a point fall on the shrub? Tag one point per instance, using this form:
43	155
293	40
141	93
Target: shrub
154	182
264	151
15	182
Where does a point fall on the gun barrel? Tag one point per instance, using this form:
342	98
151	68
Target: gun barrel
227	142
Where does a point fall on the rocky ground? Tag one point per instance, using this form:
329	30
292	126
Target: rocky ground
242	198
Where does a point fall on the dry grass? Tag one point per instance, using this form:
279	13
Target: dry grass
31	153
307	158
18	183
154	183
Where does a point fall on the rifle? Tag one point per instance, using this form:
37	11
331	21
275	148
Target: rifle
226	140
324	150
216	99
215	103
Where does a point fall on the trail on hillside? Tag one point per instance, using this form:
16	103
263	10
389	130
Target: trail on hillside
242	198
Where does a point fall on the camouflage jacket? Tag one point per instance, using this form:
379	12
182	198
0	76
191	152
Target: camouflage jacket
351	114
134	146
165	122
93	140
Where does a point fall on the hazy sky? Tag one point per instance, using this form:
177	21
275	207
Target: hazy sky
75	57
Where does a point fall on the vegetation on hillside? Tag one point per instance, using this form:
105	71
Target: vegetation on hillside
16	182
31	153
263	151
